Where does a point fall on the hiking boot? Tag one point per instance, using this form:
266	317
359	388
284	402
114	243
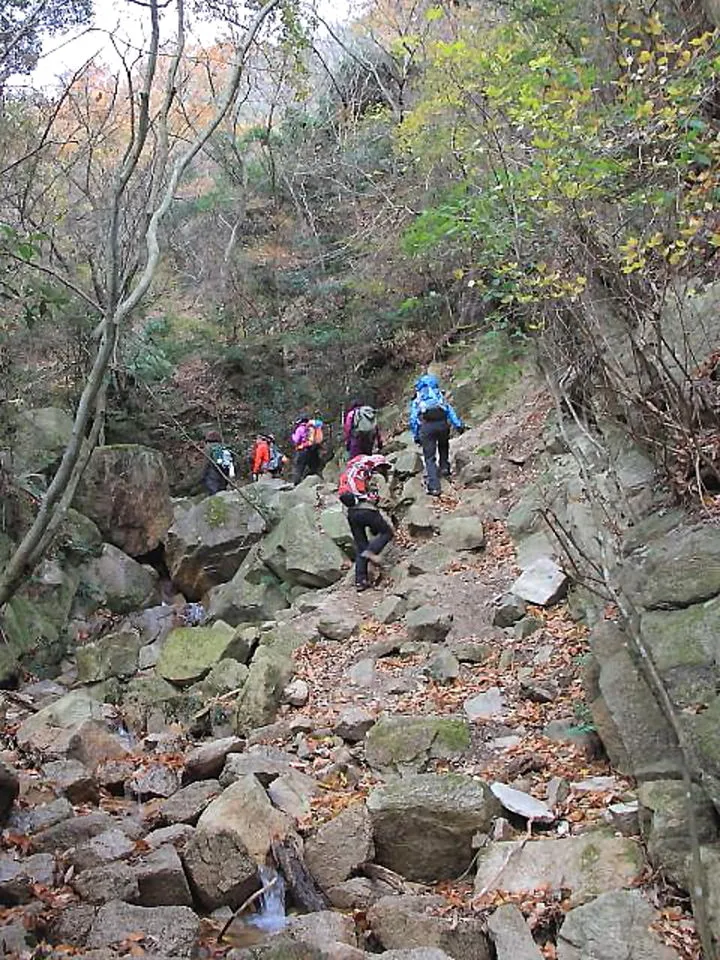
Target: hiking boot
433	493
362	586
373	558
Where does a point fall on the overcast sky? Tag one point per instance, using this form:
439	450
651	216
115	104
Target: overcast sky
127	25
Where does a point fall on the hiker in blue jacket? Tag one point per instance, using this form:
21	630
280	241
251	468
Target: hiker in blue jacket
431	417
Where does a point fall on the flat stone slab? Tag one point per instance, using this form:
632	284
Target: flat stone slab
522	803
588	865
511	935
542	583
485	705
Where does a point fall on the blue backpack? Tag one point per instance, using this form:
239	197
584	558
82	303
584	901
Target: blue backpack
431	403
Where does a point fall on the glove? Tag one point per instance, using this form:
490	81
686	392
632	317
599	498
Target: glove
461	429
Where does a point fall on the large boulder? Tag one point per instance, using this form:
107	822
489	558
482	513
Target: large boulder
115	655
682	644
190	653
116	581
340	846
634	731
409	921
424	824
232	840
270	672
41	436
50	730
664	821
617	924
301	554
408	744
240	601
587	865
676	570
125	491
207	542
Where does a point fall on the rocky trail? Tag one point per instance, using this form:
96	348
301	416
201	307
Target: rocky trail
415	765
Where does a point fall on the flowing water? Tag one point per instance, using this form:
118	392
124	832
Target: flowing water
271	913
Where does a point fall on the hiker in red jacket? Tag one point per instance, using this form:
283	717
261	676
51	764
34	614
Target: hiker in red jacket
361	430
359	494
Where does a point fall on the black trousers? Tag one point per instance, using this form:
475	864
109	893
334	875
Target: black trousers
307	461
362	520
435	441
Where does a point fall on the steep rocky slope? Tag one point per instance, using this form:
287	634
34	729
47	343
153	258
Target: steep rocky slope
418	760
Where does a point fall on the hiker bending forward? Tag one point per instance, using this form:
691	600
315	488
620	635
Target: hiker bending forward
361	431
431	417
266	458
359	494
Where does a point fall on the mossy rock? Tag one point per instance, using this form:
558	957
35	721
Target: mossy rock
190	653
406	744
115	655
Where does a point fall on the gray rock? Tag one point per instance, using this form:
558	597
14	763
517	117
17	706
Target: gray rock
527	627
161	879
190	653
353	724
625	818
207	543
406	463
664	821
322	928
421	521
111	881
72	779
424	824
628	720
169	931
362	673
9	790
188	803
417	953
469	651
340	846
406	744
270	672
232	838
443	666
428	624
296	693
15	940
104	848
241	601
73	924
463	533
539	691
509	610
334	523
72	831
115	655
48	732
297	552
511	935
116	581
124	490
616	924
292	792
338	626
405	922
558	790
587	865
178	835
156	780
206	761
41	817
542	583
522	803
265	763
390	609
17	877
678	570
485	705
